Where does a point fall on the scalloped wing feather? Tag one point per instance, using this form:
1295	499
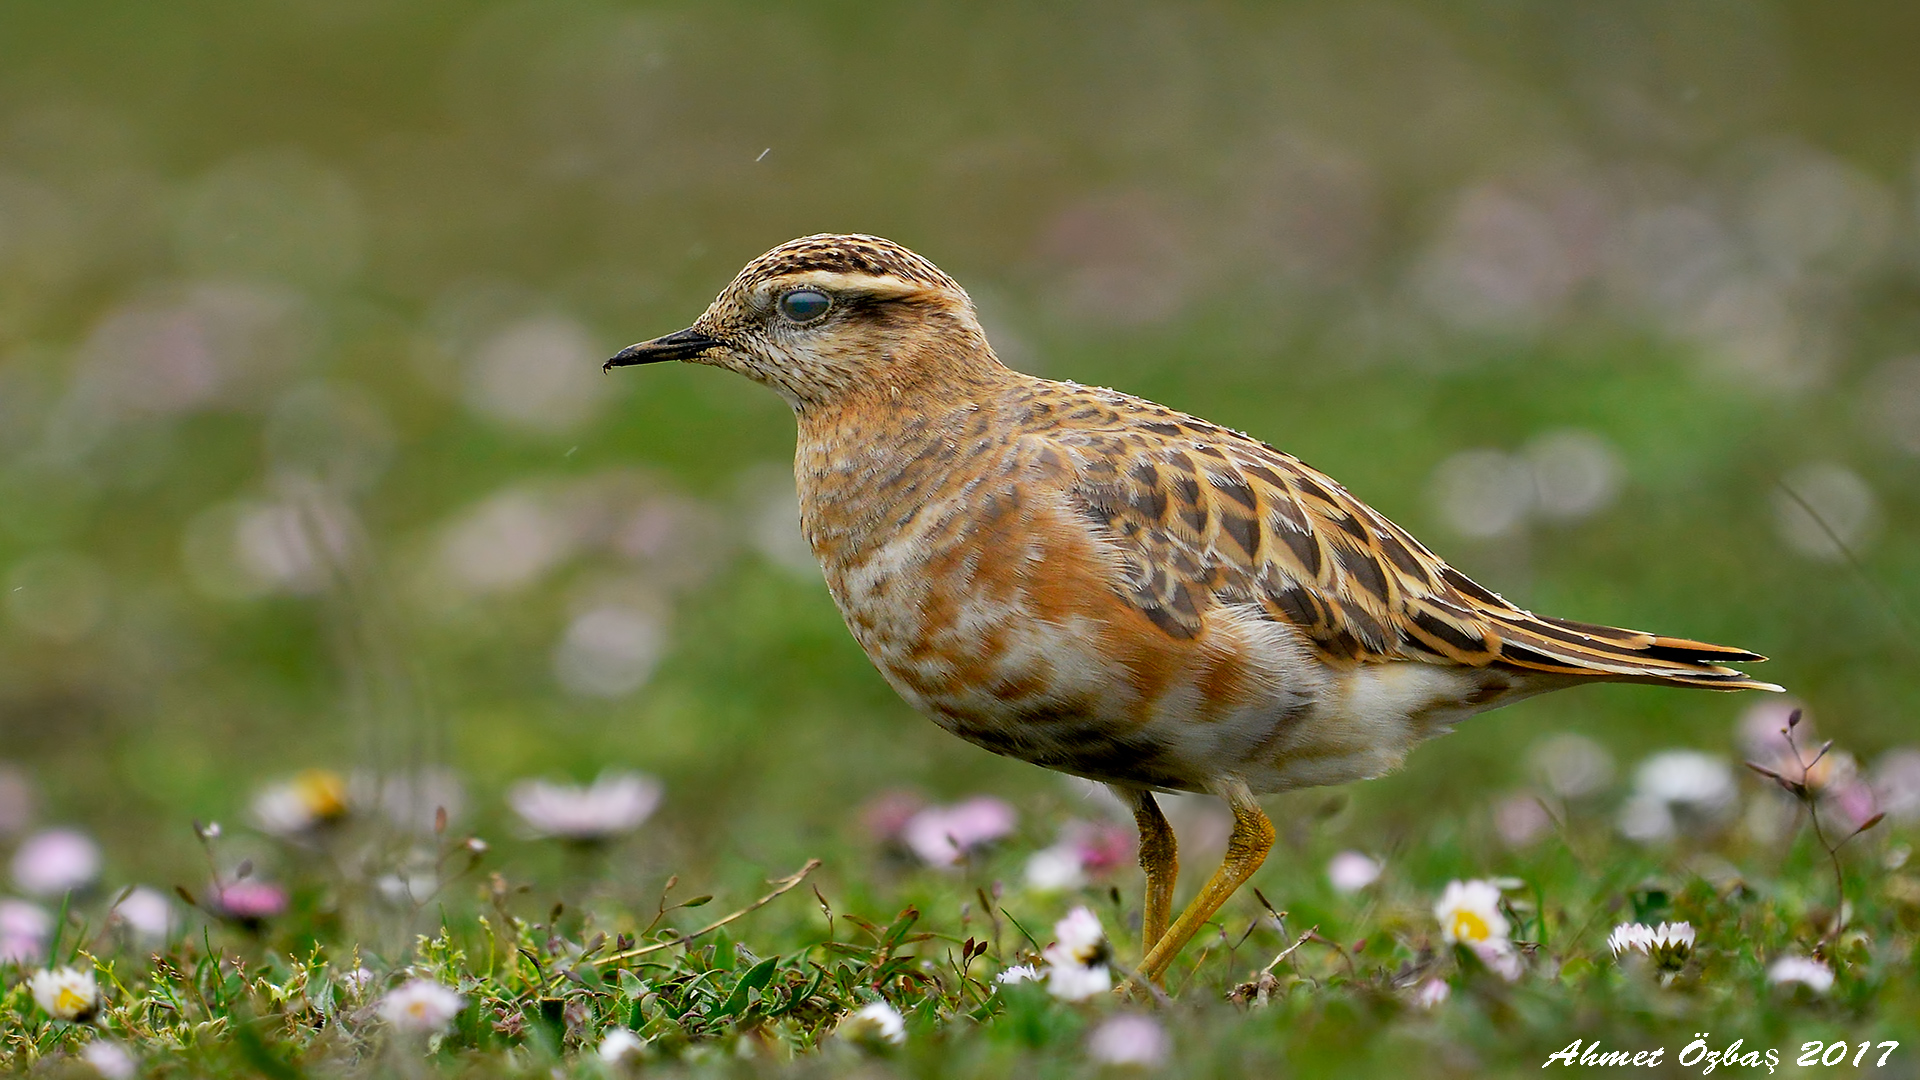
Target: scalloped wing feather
1202	515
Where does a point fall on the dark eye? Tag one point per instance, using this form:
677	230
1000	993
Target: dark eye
805	305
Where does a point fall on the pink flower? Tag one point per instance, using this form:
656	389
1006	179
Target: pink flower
1350	871
1572	766
56	861
251	901
1520	819
1129	1039
1761	738
146	913
942	835
355	980
886	814
1432	993
1854	800
24	928
16	800
1896	784
1500	958
111	1060
616	803
1085	849
1102	847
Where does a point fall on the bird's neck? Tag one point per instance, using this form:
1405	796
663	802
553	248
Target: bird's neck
911	397
865	463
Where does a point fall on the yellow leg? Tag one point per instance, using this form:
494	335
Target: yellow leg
1246	850
1160	858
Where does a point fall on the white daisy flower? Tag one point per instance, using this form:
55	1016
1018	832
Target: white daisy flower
619	1046
1630	937
1668	945
1081	937
421	1006
292	807
876	1024
1055	870
1072	982
1019	973
1678	791
1469	912
1077	960
66	993
1804	970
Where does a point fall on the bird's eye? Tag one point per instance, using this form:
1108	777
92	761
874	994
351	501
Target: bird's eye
804	305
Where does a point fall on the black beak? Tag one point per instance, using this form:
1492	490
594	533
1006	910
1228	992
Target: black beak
681	345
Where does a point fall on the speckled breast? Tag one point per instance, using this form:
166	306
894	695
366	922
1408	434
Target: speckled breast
956	576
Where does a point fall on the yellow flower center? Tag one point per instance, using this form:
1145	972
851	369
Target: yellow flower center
71	1001
1469	926
323	793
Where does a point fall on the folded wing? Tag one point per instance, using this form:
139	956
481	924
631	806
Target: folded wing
1201	515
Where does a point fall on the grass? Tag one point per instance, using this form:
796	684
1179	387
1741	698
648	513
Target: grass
755	977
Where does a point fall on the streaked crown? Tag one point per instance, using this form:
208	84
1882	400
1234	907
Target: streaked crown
846	254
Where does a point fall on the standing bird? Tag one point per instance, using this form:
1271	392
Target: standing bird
1101	585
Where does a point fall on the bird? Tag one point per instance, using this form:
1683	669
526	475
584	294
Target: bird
1097	584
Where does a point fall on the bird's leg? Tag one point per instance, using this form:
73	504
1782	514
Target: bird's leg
1159	857
1246	850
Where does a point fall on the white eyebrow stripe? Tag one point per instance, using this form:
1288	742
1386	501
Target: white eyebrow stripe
884	286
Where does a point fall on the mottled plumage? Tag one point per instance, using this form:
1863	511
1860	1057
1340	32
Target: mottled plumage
1094	583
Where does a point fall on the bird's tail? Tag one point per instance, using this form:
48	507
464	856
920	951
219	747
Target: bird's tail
1565	647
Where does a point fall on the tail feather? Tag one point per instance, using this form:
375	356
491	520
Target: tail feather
1566	647
1664	648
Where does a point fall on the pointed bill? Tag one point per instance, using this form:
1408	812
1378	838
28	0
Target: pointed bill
679	345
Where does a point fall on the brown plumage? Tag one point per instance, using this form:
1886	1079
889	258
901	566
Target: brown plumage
1101	585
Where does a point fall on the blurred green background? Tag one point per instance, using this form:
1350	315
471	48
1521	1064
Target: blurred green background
306	458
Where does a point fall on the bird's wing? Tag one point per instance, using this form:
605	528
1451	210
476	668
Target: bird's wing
1201	515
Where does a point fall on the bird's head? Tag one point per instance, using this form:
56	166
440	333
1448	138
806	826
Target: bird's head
825	319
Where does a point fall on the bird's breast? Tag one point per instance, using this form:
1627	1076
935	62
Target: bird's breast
986	602
934	555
